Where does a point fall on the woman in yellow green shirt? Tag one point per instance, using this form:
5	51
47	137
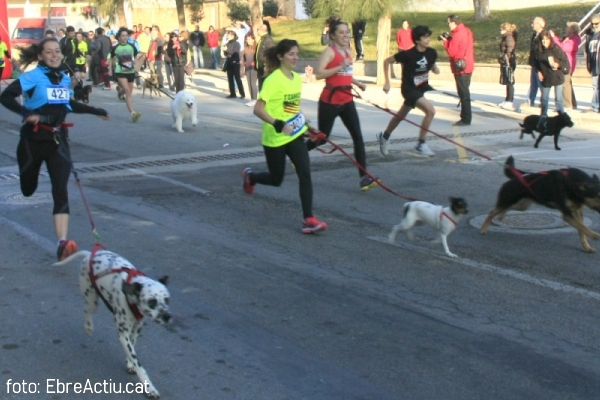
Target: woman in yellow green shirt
82	46
278	106
3	53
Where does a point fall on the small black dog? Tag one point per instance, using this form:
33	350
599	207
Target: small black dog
82	93
551	126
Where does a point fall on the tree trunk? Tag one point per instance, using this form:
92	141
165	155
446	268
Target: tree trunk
384	27
256	16
121	14
482	9
180	15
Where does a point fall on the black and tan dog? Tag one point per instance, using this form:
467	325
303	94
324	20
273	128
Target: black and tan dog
546	126
151	84
82	93
566	190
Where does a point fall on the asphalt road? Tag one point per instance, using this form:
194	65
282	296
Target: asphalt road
264	312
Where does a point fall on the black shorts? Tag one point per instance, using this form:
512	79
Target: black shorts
129	77
411	97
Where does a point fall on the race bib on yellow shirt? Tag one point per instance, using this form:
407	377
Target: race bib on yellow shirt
297	122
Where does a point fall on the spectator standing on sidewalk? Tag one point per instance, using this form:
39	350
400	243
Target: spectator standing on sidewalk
538	25
552	64
358	31
508	63
197	40
233	54
155	55
592	59
249	60
459	47
212	39
404	38
177	49
105	47
570	45
167	61
264	43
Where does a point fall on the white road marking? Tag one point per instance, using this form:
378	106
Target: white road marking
171	181
561	287
44	243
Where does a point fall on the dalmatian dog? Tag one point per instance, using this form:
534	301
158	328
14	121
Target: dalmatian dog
129	294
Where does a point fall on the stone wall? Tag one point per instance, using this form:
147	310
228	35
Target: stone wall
486	73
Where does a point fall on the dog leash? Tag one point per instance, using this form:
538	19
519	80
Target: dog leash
316	135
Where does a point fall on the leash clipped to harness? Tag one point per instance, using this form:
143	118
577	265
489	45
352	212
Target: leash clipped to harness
131	273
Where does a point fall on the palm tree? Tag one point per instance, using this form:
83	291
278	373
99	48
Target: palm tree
112	8
256	15
350	10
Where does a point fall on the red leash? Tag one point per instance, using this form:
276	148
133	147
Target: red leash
314	134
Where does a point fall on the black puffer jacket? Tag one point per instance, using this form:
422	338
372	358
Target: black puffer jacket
181	59
552	77
507	49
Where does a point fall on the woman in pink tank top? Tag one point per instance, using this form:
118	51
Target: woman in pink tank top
335	66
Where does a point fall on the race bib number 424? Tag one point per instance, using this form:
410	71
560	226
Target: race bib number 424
58	95
297	122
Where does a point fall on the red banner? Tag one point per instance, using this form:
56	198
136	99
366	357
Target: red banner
5	37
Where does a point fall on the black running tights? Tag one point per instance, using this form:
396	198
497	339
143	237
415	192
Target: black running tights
349	116
30	156
298	154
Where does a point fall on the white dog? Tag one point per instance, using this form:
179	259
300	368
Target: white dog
442	219
129	294
183	107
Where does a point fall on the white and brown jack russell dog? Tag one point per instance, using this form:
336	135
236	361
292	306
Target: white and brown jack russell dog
442	219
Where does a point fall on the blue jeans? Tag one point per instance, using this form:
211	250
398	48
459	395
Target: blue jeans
214	53
558	98
595	94
534	86
198	57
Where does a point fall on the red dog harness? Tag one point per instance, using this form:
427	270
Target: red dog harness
443	214
131	273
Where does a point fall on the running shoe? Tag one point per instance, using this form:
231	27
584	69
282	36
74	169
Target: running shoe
251	103
383	143
135	116
424	150
248	187
66	247
367	183
313	225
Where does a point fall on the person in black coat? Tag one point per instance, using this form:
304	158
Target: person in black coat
508	63
358	31
551	63
232	51
177	50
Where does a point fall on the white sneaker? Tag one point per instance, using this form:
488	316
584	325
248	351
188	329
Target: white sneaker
508	105
383	143
424	150
501	104
251	103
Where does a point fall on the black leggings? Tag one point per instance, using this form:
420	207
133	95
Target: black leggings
349	116
510	93
296	151
31	154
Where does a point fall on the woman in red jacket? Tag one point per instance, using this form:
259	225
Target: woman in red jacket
404	38
459	47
